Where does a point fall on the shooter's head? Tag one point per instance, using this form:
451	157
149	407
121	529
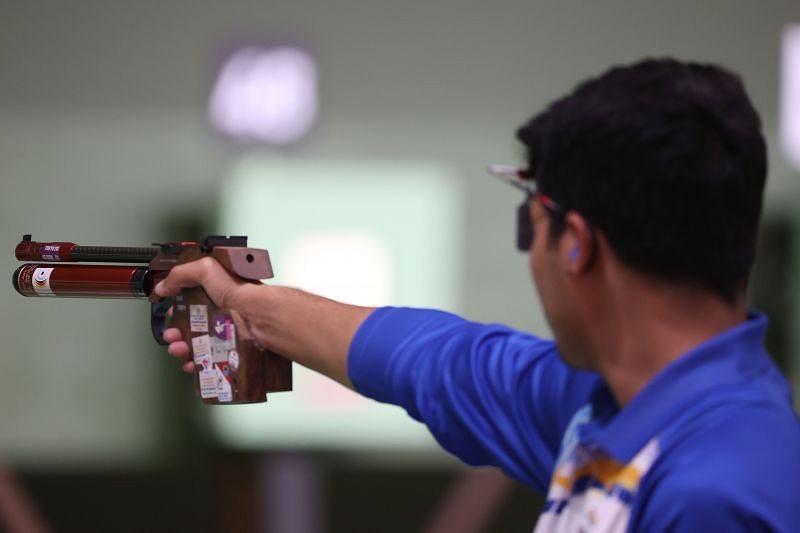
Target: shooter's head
667	161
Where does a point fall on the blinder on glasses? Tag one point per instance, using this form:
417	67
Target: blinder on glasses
521	179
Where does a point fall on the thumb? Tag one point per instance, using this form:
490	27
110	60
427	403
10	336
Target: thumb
205	272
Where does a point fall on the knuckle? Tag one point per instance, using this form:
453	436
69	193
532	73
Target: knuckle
208	262
207	267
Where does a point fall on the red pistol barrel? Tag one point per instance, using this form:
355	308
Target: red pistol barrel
69	252
28	250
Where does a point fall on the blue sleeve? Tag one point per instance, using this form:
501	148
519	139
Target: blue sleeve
489	395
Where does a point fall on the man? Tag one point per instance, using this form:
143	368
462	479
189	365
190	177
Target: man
656	408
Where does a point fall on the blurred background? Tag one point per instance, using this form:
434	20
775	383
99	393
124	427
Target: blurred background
351	140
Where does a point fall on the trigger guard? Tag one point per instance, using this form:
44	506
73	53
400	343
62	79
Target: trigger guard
158	319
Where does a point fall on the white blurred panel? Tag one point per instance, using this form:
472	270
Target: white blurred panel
369	232
354	267
790	95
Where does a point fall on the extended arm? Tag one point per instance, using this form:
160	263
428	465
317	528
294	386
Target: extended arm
490	395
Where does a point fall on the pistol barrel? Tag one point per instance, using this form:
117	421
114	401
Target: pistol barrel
114	254
69	252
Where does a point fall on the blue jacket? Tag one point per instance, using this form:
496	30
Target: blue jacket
711	442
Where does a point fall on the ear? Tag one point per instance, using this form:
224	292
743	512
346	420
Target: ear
577	246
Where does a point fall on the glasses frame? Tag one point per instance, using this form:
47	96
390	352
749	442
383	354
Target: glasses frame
522	180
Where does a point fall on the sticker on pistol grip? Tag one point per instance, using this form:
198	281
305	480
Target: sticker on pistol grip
201	347
204	362
198	318
223	338
208	383
224	392
233	360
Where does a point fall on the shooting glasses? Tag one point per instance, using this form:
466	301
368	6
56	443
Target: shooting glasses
523	181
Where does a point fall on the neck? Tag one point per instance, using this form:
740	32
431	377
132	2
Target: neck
646	328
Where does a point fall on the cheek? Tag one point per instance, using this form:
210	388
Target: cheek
546	277
539	260
557	306
541	272
536	267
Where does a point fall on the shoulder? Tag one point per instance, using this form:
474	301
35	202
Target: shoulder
733	464
740	432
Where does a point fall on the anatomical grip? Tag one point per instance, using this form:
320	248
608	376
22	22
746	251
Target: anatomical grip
231	366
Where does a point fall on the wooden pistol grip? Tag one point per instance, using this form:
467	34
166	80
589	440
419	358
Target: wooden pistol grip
231	367
247	263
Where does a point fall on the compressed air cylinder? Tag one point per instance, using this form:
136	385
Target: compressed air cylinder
82	281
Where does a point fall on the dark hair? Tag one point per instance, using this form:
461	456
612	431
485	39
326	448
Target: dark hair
667	159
